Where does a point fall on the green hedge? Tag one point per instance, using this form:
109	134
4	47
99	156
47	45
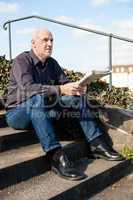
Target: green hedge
4	75
120	97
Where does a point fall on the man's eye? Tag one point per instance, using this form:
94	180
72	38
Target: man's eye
46	40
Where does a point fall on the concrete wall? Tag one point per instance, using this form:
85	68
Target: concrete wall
119	124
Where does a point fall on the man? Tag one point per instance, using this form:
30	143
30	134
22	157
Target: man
38	88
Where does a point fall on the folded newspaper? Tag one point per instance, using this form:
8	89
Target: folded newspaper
92	76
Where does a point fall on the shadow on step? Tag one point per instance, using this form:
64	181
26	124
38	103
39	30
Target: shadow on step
17	140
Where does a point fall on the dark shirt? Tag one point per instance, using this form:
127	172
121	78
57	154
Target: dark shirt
29	76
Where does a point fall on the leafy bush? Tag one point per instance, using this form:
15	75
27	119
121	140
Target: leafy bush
121	97
73	76
4	75
127	152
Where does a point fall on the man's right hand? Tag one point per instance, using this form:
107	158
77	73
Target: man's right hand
72	89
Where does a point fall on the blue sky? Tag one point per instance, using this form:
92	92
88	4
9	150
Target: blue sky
74	49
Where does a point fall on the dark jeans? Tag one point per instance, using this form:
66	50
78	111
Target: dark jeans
41	113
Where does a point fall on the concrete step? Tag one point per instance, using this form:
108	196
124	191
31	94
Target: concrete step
16	165
11	138
2	118
15	156
48	186
2	112
2	103
25	162
118	118
7	131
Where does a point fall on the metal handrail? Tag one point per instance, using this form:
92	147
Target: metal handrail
110	35
69	25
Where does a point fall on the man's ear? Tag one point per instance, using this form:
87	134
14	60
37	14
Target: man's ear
32	43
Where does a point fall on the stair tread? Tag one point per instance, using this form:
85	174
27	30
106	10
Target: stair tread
22	154
15	156
9	131
2	112
48	185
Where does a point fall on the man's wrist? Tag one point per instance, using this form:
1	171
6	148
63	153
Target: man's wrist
59	90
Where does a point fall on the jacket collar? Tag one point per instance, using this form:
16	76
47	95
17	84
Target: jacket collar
34	57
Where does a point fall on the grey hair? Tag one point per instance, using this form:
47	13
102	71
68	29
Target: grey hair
36	33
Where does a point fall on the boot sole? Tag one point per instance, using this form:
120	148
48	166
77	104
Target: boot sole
56	171
97	156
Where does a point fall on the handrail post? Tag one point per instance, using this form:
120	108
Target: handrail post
110	61
10	41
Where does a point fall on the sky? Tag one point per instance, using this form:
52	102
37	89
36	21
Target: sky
74	49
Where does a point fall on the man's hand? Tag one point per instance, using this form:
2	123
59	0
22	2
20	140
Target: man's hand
72	88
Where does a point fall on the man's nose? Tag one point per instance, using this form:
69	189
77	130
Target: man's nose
49	43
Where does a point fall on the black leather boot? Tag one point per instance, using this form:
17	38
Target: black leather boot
102	150
62	166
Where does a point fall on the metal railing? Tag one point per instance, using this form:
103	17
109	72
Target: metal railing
7	24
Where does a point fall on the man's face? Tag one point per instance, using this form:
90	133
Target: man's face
43	44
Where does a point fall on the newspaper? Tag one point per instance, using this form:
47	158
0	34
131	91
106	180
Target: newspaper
92	76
